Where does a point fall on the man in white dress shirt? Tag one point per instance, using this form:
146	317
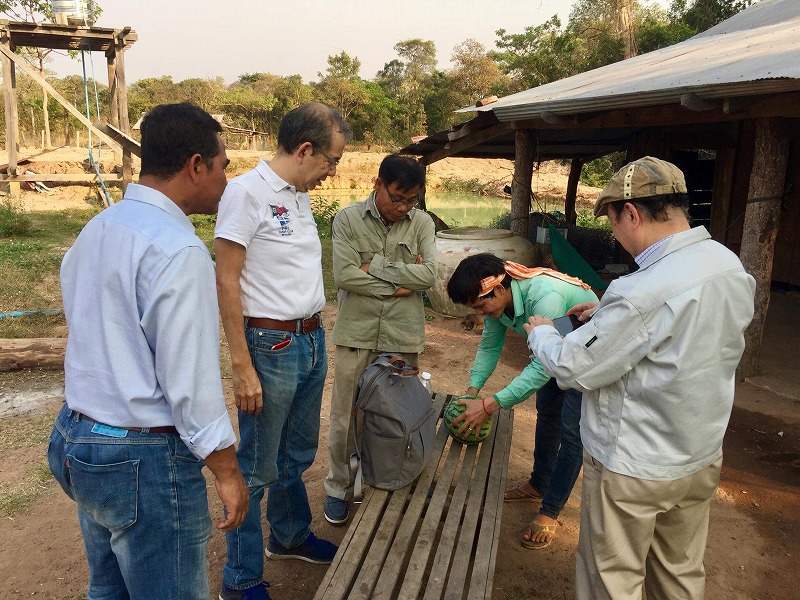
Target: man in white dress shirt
144	405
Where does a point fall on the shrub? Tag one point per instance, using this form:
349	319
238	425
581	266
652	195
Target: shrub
324	210
13	220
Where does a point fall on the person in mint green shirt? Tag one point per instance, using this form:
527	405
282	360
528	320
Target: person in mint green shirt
506	294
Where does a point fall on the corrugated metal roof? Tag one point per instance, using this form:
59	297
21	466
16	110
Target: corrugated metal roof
753	52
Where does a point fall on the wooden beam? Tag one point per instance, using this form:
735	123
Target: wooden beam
697	103
463	143
124	122
722	192
521	183
12	113
123	139
61	177
786	104
761	221
572	191
59	98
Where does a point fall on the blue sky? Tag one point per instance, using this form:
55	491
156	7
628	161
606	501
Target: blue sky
208	38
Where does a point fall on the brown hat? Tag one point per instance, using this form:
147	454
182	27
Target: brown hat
645	177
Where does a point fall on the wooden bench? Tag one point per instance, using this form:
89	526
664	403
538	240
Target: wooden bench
436	538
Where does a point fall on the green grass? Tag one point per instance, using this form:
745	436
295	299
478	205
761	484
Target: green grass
19	498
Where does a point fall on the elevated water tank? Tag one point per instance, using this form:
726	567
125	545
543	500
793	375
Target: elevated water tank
454	245
73	12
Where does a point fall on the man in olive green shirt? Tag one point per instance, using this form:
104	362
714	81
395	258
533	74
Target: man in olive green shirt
384	257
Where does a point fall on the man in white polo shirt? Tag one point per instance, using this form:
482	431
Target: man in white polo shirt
269	280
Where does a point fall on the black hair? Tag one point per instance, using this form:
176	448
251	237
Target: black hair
464	286
311	122
172	134
655	207
407	172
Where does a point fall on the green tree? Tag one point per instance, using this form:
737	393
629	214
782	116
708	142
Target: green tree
341	86
475	75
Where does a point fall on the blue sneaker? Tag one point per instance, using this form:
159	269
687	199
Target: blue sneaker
336	510
258	592
313	550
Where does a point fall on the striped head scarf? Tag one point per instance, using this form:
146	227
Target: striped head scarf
518	271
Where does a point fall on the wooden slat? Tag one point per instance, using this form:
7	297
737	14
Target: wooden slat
405	534
480	585
122	138
379	547
447	540
412	581
466	537
345	565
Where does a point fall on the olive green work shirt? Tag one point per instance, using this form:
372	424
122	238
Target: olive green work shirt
369	316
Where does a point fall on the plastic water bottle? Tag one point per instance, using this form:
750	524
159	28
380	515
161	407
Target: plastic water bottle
425	377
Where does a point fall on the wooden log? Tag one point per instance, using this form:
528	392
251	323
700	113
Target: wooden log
32	353
761	221
12	115
124	122
521	183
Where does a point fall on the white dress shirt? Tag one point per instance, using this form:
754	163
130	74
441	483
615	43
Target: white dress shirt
140	300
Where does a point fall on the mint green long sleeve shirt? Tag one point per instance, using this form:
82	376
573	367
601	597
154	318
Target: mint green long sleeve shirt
369	316
542	295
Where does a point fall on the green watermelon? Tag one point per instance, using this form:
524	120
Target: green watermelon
453	410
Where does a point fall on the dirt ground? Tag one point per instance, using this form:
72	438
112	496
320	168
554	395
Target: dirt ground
753	546
754	540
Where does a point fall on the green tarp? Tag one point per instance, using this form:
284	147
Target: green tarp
570	262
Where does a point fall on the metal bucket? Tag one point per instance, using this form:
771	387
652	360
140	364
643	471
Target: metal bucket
73	12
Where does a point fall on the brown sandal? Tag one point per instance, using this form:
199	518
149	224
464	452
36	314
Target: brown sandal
535	530
521	493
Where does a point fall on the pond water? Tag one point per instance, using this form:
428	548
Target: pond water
457	210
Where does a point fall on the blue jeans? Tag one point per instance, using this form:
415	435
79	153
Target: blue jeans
142	509
558	453
277	446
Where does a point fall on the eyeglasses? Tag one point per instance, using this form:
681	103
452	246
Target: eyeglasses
412	202
333	162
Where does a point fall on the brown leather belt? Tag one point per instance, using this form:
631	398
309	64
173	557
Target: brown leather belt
296	325
164	429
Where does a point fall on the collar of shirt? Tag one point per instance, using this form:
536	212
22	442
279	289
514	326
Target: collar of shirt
519	305
647	252
148	195
272	178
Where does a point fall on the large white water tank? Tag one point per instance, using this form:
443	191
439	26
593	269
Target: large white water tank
73	12
454	245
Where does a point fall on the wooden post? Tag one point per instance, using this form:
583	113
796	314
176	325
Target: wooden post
761	221
521	183
113	104
124	122
572	191
12	115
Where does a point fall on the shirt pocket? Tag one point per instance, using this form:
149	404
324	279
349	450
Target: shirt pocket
407	252
366	249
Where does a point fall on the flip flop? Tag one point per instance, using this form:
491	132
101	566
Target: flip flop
521	493
536	529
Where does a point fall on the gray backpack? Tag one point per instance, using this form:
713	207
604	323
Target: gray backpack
399	425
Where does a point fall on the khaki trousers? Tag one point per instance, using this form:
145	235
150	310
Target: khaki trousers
348	364
637	533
